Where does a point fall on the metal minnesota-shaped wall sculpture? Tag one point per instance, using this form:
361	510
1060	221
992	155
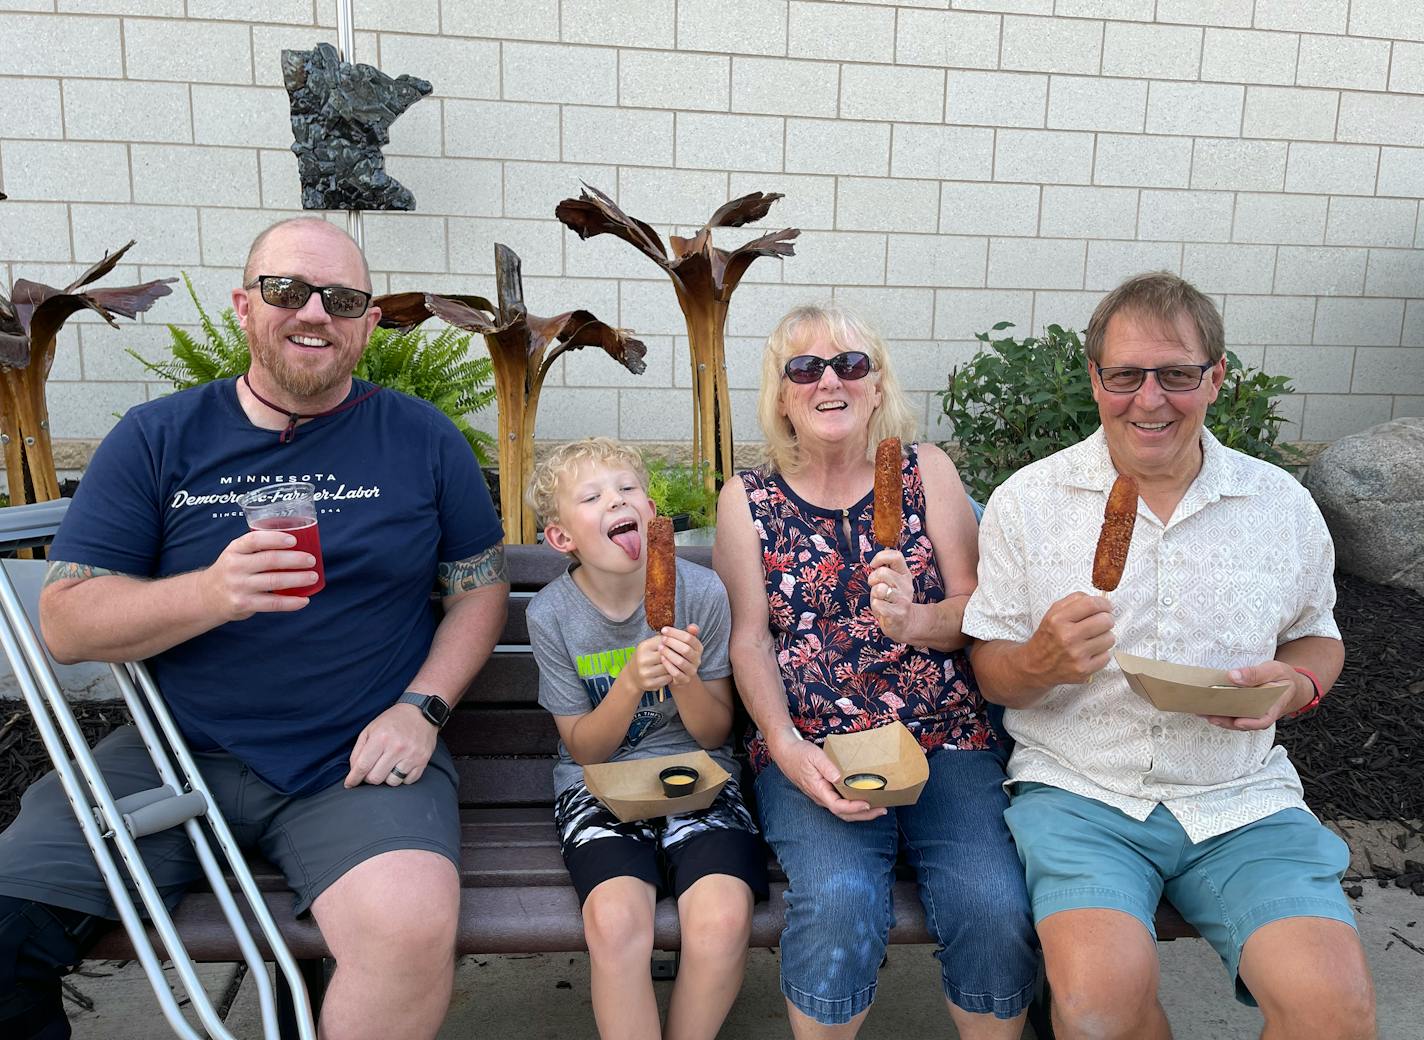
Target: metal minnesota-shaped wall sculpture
519	347
341	114
30	320
705	278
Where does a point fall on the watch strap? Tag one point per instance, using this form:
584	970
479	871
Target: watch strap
437	716
1319	693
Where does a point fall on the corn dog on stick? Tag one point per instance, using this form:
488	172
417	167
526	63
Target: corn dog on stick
1110	558
660	588
889	490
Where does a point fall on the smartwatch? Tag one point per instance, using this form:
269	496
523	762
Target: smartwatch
435	710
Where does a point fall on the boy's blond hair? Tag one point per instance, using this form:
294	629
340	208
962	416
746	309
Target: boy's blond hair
542	494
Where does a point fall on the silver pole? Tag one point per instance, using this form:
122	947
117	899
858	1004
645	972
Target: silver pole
346	45
181	797
99	818
147	709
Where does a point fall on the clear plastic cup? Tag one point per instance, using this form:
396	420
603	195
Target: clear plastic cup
290	508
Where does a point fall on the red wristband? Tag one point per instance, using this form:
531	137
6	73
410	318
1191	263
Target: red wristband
1319	693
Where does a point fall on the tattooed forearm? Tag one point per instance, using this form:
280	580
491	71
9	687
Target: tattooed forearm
473	572
61	571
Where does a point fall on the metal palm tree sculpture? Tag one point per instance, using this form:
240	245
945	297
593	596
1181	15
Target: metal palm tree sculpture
705	278
30	320
520	349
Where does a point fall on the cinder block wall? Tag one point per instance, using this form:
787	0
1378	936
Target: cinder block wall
953	163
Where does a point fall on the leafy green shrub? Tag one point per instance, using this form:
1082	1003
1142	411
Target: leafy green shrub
439	369
678	488
1021	400
1244	414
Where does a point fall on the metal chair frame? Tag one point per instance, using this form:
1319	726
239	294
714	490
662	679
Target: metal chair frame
113	826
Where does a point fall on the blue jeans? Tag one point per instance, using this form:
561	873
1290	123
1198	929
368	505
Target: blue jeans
838	901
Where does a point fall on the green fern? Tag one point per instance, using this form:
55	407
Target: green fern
440	370
221	353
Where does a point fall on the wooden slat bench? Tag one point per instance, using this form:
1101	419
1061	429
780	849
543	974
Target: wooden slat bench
516	895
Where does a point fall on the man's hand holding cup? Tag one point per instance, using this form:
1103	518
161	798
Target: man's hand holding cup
277	565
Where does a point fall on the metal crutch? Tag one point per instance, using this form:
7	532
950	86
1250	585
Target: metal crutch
182	799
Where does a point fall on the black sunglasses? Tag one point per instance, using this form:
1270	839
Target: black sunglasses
808	368
291	294
1175	379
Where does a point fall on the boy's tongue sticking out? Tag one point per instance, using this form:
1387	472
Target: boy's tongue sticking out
625	534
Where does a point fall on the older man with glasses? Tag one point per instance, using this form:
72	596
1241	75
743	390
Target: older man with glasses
314	717
1114	802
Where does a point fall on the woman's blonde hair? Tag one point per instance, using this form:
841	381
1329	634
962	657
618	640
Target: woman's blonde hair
542	494
846	331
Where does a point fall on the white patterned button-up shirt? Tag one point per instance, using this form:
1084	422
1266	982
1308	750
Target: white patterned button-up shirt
1244	565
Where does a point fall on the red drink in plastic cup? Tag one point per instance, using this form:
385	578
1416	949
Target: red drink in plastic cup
292	508
308	540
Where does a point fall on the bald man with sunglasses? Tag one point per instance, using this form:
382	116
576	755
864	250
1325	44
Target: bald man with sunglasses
314	719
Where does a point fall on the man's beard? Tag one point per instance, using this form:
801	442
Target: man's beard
298	381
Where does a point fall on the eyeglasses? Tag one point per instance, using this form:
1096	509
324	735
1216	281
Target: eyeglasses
808	368
1175	379
291	294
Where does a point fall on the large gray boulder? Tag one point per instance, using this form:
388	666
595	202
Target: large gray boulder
1370	487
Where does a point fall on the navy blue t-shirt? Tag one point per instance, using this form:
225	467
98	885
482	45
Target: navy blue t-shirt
398	491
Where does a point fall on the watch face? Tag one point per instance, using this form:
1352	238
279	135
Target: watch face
436	710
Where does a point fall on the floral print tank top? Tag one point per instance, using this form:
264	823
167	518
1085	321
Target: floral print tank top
841	672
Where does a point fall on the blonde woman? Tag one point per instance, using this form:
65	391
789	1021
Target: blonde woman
831	634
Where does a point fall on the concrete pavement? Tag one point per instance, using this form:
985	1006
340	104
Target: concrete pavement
545	996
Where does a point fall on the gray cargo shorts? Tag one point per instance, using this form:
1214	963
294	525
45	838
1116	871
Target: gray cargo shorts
312	839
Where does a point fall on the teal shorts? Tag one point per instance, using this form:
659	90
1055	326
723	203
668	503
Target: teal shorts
1081	854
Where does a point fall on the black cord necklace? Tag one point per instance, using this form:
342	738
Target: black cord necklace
290	432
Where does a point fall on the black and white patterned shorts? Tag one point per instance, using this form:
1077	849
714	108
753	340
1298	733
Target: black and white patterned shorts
670	853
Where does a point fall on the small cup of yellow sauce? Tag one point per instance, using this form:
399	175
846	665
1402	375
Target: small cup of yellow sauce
678	780
865	782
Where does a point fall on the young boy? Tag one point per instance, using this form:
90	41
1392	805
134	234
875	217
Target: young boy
620	691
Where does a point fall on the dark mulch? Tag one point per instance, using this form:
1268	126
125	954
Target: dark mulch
22	754
1361	754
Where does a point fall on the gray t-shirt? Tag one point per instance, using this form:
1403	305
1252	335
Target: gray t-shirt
580	652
